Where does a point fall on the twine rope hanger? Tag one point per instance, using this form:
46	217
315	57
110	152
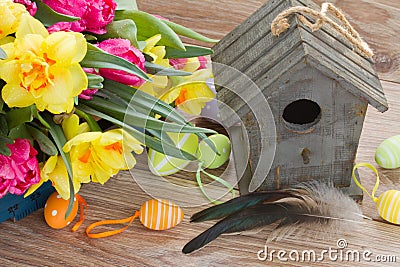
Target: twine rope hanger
280	24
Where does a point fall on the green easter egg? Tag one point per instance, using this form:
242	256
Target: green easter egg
161	164
209	157
387	154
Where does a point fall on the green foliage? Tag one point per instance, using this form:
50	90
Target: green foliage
181	30
44	142
148	26
191	51
49	17
59	139
18	116
159	70
95	81
125	29
126	5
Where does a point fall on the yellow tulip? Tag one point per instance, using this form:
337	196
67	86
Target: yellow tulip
10	16
98	156
43	68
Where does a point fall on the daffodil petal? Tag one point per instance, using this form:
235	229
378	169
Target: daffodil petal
30	25
81	138
66	47
151	42
16	96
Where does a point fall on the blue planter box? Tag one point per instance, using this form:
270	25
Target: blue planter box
17	207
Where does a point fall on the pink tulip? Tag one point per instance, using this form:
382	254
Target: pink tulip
20	170
124	49
95	14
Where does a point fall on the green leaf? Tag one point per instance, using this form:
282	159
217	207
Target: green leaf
164	137
181	30
20	132
141	45
59	138
148	26
144	100
18	116
48	16
147	140
140	120
4	150
97	59
191	51
139	98
3	125
125	29
44	142
95	81
90	37
163	71
126	5
3	54
94	126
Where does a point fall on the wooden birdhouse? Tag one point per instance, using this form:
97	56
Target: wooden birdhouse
317	88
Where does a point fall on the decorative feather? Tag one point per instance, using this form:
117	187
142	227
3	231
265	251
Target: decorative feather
312	203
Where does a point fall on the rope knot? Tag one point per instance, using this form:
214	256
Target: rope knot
281	23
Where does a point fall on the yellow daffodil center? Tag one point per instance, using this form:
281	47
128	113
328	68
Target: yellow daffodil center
183	96
85	157
117	147
34	72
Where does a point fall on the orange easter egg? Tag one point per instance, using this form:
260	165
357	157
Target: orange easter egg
159	214
55	209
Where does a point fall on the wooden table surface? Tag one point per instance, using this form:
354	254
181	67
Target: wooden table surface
30	242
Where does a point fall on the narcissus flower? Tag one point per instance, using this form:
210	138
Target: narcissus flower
43	69
54	170
71	127
159	84
192	94
98	156
10	16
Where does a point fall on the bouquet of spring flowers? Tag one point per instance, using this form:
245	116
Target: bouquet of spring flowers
65	65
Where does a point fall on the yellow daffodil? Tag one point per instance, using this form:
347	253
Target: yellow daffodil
43	68
192	94
159	83
54	170
99	156
10	16
72	128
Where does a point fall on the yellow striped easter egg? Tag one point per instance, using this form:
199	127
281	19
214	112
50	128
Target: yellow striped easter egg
387	154
159	214
161	164
388	206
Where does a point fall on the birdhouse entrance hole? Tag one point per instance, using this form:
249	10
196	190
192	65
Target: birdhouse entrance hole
301	115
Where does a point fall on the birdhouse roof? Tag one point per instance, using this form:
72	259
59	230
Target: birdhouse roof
252	49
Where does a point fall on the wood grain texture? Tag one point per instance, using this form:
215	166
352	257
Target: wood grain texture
378	21
30	242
